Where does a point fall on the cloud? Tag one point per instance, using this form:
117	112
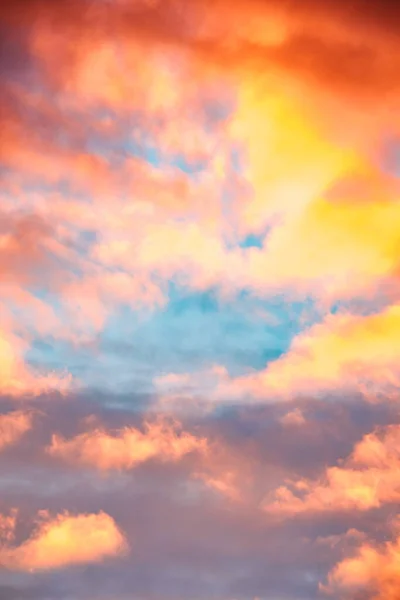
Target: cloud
23	238
352	353
331	248
293	418
128	448
367	479
220	31
227	484
192	53
372	572
144	145
13	425
18	379
179	523
65	540
7	526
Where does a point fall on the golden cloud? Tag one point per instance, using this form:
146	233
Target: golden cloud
65	540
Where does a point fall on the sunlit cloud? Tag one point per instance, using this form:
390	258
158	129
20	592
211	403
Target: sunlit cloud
346	352
199	220
127	448
368	479
372	572
64	540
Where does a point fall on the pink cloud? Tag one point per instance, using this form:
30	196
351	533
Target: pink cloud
369	478
13	425
127	448
371	570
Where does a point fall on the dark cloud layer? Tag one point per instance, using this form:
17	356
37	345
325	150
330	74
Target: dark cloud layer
188	541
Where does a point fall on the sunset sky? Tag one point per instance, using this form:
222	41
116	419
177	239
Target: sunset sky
199	300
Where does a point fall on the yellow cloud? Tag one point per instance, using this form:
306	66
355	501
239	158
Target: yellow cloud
66	540
343	352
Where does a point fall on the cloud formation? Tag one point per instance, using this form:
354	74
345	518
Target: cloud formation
373	570
368	479
346	352
127	448
199	219
65	540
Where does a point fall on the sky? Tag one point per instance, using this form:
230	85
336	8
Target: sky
199	300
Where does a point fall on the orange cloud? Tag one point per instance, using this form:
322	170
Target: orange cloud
65	540
310	41
374	570
13	426
368	479
292	149
128	448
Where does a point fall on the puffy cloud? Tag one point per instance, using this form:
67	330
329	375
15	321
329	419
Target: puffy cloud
346	352
372	572
65	540
129	447
369	478
217	465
